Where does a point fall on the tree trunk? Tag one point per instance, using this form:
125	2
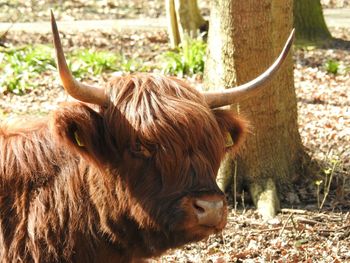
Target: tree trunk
173	30
245	37
184	18
309	21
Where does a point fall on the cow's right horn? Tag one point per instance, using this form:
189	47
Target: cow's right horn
229	96
77	90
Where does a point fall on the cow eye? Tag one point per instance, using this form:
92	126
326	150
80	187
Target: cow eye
140	150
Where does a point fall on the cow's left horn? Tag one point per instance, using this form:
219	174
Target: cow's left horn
77	90
225	97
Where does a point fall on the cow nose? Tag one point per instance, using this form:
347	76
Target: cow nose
209	213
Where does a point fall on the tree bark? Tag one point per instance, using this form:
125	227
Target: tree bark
309	21
184	19
173	30
245	37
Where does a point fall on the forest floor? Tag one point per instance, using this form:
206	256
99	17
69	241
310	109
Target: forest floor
300	233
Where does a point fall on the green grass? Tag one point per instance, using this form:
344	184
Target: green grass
189	59
21	68
88	62
332	66
336	67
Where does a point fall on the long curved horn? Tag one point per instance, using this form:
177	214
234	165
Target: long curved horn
77	90
225	97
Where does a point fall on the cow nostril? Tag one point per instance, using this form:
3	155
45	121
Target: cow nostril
198	209
208	213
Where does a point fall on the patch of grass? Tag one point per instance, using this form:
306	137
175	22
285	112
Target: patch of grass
90	62
336	67
132	65
87	63
189	59
332	66
22	67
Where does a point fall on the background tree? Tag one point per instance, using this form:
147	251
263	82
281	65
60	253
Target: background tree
245	37
184	18
309	21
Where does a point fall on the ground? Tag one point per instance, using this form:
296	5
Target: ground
300	233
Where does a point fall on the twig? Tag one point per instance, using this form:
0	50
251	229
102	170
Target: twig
335	230
285	224
235	185
243	203
328	185
3	35
274	229
8	29
307	221
294	211
345	234
223	239
291	219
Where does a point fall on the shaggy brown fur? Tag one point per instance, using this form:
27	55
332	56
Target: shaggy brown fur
122	193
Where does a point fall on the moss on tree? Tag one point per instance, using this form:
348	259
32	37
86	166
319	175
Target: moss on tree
309	21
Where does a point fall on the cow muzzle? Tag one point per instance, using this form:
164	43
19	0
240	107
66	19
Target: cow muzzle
210	213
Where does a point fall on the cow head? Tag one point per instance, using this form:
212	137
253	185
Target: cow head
161	143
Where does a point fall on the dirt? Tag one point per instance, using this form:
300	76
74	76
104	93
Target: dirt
38	10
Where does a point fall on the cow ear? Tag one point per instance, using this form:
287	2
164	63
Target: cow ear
80	128
233	128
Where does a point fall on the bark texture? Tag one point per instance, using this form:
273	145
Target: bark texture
245	37
184	19
309	21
